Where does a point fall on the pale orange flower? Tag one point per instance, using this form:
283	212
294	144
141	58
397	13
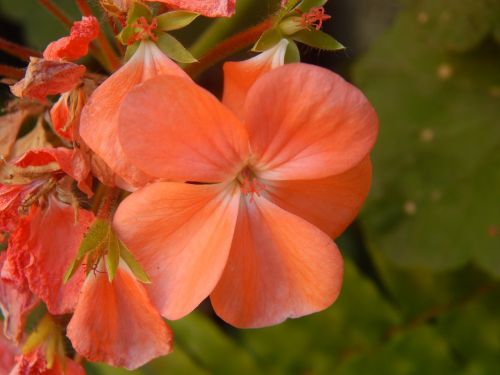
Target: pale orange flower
99	119
239	76
254	231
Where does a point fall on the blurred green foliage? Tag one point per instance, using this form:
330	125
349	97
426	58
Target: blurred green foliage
421	292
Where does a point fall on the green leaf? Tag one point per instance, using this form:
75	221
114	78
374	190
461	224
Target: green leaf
431	204
73	267
305	5
211	347
174	49
138	10
97	234
292	53
317	39
268	40
474	329
131	50
39	27
456	25
112	256
134	266
175	20
94	238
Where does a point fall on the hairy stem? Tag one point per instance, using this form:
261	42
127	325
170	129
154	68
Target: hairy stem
17	50
11	72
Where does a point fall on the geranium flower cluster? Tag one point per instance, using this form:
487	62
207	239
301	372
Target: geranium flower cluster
130	198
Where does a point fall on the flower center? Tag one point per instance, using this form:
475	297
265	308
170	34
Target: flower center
143	30
315	17
249	184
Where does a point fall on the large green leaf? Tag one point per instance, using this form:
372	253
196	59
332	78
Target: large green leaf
434	201
40	27
215	351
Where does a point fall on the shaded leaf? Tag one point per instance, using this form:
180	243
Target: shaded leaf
176	19
174	49
317	39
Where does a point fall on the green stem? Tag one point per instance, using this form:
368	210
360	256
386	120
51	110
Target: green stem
229	47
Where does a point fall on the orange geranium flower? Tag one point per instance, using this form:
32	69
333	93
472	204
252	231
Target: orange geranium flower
99	119
209	8
254	231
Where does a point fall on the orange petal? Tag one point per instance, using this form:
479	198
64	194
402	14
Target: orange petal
60	117
8	353
74	162
99	120
181	234
11	197
306	122
16	302
174	129
75	45
209	8
240	76
280	267
54	241
330	203
45	77
115	323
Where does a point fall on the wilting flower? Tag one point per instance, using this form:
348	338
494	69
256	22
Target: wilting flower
210	8
54	74
8	354
43	353
254	231
99	120
75	45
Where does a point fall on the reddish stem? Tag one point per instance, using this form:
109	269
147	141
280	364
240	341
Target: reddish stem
103	42
229	46
108	204
17	50
11	72
56	12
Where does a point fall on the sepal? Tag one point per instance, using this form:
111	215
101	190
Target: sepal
175	20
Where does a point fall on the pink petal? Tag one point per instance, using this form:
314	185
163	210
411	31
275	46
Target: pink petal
8	353
99	119
280	267
306	122
174	129
55	237
241	75
330	203
16	302
181	234
115	323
